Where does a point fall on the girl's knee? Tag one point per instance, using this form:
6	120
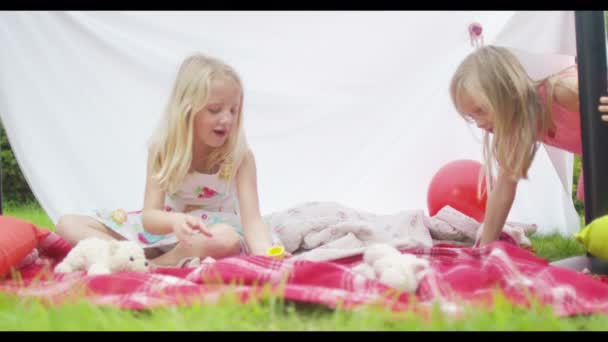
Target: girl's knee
229	239
74	228
225	242
66	224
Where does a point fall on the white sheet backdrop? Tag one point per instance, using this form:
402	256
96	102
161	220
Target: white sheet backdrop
345	106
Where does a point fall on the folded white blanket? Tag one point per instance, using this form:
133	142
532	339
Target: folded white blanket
327	230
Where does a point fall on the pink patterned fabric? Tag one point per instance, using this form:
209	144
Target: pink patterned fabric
458	274
450	225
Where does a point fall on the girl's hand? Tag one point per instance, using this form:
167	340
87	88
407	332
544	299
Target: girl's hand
188	225
604	108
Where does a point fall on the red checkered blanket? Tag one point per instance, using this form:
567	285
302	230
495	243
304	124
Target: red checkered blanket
458	275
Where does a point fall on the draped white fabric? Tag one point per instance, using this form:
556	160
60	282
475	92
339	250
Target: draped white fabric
350	107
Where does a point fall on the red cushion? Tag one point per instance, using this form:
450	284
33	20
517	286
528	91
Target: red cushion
17	239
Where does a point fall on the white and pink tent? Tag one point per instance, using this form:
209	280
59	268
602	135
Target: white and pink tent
350	107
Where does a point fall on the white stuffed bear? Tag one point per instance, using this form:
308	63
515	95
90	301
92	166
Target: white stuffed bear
99	256
386	264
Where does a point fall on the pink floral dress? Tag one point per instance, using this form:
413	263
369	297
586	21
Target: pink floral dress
212	197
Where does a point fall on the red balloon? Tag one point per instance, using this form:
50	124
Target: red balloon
455	184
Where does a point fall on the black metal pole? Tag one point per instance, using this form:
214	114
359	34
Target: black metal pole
592	79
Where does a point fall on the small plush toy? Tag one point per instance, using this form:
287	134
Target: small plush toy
594	237
386	264
276	251
99	256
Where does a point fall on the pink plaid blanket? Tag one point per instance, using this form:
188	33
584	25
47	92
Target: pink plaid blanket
458	274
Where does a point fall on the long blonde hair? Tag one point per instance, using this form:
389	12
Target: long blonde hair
498	82
171	144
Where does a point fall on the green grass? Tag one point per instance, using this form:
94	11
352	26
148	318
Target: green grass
31	212
274	314
555	247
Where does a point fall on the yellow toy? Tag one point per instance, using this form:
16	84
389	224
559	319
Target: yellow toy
594	237
276	252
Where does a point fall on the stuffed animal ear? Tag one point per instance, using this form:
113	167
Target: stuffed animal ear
420	268
421	264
